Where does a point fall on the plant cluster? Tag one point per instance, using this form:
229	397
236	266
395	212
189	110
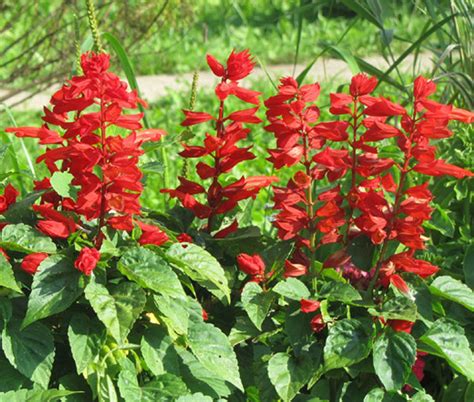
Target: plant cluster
101	299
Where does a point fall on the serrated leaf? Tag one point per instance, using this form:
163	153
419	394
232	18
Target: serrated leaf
256	303
349	341
150	271
292	288
25	239
86	338
117	309
396	308
56	285
394	354
30	351
158	351
454	290
446	339
201	267
242	330
213	350
7	278
172	313
338	291
288	375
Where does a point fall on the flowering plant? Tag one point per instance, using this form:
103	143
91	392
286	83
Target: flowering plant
344	301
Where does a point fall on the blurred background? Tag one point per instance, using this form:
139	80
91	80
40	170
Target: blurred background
157	45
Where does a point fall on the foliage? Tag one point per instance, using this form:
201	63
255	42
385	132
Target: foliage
101	299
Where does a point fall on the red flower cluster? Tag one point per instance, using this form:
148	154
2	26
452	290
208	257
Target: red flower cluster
221	149
103	166
8	198
310	221
310	306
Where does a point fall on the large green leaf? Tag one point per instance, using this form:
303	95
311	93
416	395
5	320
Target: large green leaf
242	330
86	338
150	271
256	303
35	395
288	374
379	395
30	351
213	350
349	341
158	351
25	239
446	339
56	285
338	291
7	279
394	355
173	313
292	288
165	387
201	267
396	308
117	309
454	290
12	379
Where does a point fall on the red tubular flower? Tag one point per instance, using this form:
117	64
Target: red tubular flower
9	197
309	306
184	238
401	325
252	265
317	323
221	150
152	235
87	260
31	262
82	146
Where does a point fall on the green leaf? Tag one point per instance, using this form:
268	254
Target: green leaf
468	266
213	350
165	387
200	379
33	395
7	278
292	288
338	291
197	397
421	396
158	351
56	285
30	351
150	271
12	380
256	303
117	309
454	290
379	395
349	341
288	375
446	339
173	313
25	239
396	308
442	222
61	183
393	356
86	338
242	330
201	267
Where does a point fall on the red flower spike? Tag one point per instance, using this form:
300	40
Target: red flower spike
82	146
221	149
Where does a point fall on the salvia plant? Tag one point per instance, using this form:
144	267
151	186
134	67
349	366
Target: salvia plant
101	299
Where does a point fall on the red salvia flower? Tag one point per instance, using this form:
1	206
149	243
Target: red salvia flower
220	150
31	262
87	260
103	166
